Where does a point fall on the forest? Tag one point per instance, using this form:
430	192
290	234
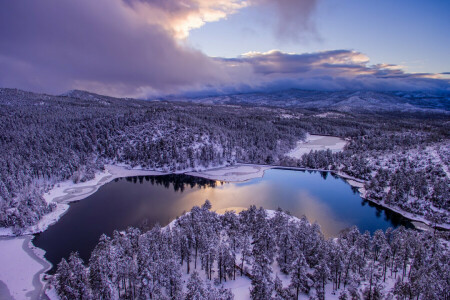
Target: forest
403	157
278	256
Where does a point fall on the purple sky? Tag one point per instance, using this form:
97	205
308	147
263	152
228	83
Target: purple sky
141	48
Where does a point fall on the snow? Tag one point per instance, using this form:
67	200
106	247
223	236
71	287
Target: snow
329	115
316	143
68	191
237	173
21	268
239	287
15	255
437	158
52	294
354	183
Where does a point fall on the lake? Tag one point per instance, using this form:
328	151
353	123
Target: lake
146	200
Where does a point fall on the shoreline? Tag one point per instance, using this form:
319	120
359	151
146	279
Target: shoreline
25	256
65	192
39	280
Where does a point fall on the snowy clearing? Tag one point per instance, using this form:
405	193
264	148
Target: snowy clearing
329	115
316	143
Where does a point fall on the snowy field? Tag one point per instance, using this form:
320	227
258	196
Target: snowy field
315	143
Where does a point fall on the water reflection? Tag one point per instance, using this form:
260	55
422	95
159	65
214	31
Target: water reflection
133	201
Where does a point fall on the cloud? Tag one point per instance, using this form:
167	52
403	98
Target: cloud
179	17
293	18
327	70
104	45
132	48
278	62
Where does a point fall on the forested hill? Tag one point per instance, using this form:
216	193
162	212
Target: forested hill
45	139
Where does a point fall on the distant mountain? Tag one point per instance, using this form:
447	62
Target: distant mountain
339	101
343	101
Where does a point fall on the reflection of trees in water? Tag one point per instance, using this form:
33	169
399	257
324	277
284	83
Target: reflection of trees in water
355	189
178	181
395	218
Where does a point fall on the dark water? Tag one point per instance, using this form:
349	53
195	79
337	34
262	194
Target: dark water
145	201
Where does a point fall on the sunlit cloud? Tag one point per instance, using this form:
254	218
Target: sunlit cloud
180	17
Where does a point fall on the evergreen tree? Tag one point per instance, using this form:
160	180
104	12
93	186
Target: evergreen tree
195	288
298	271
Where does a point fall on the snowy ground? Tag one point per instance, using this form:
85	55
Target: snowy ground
22	267
329	115
315	143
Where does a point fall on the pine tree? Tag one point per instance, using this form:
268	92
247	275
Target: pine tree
72	281
321	275
103	272
195	288
298	271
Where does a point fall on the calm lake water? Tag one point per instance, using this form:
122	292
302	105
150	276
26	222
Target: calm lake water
147	200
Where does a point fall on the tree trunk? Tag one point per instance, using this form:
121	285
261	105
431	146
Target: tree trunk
195	261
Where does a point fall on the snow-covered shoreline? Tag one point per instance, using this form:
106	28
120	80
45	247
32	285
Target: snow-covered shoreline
65	192
419	222
23	268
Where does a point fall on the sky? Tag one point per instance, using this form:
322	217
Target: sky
411	33
153	48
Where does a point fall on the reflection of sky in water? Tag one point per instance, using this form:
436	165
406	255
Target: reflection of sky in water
128	202
297	192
